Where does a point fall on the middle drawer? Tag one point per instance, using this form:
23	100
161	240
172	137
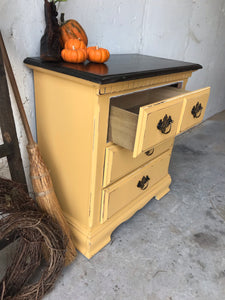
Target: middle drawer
119	161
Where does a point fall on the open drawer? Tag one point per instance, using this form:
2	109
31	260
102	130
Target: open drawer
143	119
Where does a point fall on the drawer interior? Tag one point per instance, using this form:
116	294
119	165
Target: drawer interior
133	101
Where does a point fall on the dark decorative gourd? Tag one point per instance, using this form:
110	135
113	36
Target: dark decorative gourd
50	49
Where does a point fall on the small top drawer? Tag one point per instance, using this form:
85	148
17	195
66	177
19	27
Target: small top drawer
140	120
194	108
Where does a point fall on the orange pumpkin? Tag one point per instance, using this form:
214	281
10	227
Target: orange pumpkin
71	29
74	44
90	48
98	55
74	56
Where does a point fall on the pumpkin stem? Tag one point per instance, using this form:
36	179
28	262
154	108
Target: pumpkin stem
97	47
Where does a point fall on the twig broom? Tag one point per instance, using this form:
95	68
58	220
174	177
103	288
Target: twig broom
40	177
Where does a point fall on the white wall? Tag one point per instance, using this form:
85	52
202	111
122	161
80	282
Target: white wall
21	25
190	30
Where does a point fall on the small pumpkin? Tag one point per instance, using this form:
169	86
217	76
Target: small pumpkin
74	44
98	55
90	48
71	29
74	56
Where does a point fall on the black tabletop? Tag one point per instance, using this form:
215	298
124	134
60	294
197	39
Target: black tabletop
119	67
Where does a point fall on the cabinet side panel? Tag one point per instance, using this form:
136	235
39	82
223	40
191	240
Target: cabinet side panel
64	112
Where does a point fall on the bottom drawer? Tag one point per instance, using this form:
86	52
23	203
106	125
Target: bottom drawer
138	183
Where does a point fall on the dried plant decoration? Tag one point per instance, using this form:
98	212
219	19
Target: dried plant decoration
34	230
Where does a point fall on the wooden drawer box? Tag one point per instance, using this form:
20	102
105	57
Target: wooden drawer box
143	119
124	191
119	161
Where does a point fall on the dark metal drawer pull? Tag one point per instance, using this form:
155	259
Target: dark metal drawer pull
143	183
165	125
197	110
150	152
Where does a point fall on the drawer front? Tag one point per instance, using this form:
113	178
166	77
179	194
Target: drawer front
156	124
119	161
141	121
138	183
195	105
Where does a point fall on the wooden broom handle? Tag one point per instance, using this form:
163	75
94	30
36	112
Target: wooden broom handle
16	91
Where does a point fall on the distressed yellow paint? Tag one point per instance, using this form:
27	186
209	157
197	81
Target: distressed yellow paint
97	192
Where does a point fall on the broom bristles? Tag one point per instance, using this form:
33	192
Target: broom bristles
46	197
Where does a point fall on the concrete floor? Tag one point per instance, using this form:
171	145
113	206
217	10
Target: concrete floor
172	249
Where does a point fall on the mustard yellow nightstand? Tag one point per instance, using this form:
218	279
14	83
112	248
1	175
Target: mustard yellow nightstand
106	133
